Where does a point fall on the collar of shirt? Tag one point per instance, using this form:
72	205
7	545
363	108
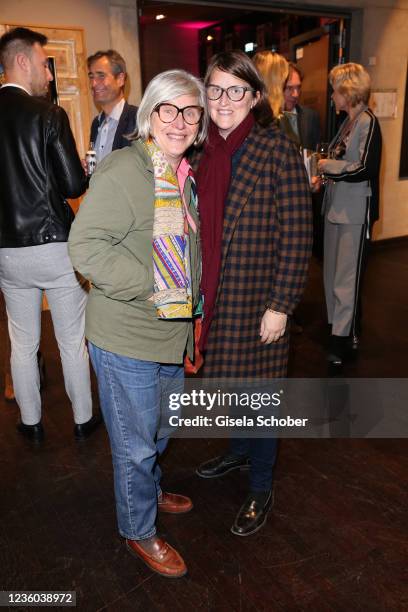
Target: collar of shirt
15	85
116	112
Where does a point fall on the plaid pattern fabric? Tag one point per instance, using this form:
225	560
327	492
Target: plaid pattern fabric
265	254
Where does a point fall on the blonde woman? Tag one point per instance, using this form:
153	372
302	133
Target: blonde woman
274	70
350	204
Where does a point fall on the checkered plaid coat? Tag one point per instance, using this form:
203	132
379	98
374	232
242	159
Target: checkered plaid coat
265	255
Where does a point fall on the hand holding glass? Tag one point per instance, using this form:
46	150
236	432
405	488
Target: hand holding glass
322	152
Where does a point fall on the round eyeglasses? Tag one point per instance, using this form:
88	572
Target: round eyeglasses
235	92
169	112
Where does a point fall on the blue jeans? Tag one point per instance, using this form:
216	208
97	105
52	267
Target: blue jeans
134	396
262	452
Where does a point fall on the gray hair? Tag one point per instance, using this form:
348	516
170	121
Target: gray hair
165	87
116	61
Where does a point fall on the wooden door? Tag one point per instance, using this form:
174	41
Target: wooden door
314	64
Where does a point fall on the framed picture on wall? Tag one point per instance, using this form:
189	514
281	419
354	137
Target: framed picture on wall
53	85
403	171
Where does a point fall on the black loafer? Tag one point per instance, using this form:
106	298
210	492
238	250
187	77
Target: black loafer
84	430
222	465
253	513
32	432
354	342
339	348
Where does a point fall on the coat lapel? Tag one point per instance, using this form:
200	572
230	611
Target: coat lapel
121	129
302	125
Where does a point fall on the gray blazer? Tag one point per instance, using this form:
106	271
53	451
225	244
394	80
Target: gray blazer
351	195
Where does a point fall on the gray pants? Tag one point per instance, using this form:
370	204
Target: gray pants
342	269
24	274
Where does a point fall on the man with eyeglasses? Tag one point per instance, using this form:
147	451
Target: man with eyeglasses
304	121
107	77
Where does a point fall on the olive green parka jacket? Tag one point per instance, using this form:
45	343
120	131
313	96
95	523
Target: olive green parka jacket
110	244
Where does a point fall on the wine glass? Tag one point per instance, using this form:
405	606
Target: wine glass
322	152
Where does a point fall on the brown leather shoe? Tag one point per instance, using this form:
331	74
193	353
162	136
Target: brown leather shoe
8	388
158	556
174	504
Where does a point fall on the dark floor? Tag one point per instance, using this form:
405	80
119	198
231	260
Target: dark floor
337	538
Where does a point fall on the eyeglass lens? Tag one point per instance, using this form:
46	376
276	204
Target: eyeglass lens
169	112
234	93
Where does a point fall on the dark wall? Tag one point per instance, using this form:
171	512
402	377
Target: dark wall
165	46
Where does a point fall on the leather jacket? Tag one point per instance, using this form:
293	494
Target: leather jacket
39	169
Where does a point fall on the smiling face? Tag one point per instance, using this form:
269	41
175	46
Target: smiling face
226	114
176	137
106	87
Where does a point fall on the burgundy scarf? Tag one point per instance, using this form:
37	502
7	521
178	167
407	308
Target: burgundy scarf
213	182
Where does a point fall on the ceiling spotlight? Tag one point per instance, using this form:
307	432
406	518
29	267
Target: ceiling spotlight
159	17
209	37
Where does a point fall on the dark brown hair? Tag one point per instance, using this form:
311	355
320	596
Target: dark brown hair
18	40
294	68
239	64
116	61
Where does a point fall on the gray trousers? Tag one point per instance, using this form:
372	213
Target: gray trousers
24	274
342	271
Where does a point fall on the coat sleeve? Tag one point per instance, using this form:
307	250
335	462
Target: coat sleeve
63	154
368	164
294	218
105	217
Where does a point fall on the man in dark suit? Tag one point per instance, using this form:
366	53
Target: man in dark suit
107	77
304	121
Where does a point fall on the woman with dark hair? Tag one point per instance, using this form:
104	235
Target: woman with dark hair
256	239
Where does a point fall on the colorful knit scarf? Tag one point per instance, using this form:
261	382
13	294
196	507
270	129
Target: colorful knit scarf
171	258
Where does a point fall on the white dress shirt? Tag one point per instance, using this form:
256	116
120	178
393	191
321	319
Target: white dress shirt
107	131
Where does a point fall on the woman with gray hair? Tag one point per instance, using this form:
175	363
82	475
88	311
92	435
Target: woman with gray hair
136	238
350	205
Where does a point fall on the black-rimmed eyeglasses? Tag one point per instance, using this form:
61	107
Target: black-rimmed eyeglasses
235	92
169	112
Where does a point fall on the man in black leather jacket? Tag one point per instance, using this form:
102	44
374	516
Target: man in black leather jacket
39	169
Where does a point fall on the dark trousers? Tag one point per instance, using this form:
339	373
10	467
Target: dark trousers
262	452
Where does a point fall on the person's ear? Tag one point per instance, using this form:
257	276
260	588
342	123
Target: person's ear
23	62
255	99
121	78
